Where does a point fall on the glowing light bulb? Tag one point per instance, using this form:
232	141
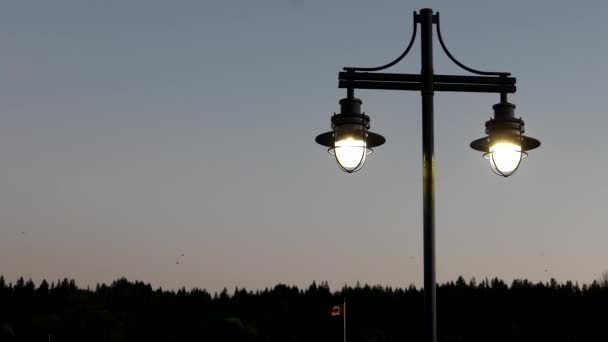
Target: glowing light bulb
505	157
350	153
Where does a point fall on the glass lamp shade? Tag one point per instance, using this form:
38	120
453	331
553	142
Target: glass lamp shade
505	146
505	157
350	140
350	153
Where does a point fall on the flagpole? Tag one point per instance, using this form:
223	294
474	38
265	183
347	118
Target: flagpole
344	315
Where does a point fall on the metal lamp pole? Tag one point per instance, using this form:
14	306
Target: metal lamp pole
351	126
428	174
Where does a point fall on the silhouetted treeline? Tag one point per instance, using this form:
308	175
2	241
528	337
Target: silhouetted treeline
489	310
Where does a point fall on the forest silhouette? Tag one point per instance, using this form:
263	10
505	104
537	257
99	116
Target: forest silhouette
488	310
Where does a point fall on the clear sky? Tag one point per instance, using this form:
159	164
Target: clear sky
132	132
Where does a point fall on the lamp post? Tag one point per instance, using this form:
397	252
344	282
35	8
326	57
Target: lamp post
351	141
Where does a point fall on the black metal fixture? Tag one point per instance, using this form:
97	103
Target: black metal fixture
505	146
351	141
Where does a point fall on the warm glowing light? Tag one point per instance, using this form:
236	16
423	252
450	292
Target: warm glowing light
505	157
350	153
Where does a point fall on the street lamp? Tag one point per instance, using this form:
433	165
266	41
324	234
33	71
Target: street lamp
351	141
505	146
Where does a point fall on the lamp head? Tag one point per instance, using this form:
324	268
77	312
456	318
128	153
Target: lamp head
350	140
505	146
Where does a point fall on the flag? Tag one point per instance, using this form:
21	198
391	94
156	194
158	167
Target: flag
336	310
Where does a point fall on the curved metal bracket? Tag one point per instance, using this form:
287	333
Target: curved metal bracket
445	49
386	66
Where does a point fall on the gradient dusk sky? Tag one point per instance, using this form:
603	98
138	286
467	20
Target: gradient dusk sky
173	142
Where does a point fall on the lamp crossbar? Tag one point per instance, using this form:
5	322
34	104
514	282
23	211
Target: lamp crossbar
453	83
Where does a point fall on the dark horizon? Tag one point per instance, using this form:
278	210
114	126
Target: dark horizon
601	281
468	311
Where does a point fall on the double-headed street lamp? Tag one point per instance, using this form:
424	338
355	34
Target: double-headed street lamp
350	140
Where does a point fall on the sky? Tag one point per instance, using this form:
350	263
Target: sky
172	142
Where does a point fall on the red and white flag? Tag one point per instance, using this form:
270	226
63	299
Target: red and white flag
336	310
